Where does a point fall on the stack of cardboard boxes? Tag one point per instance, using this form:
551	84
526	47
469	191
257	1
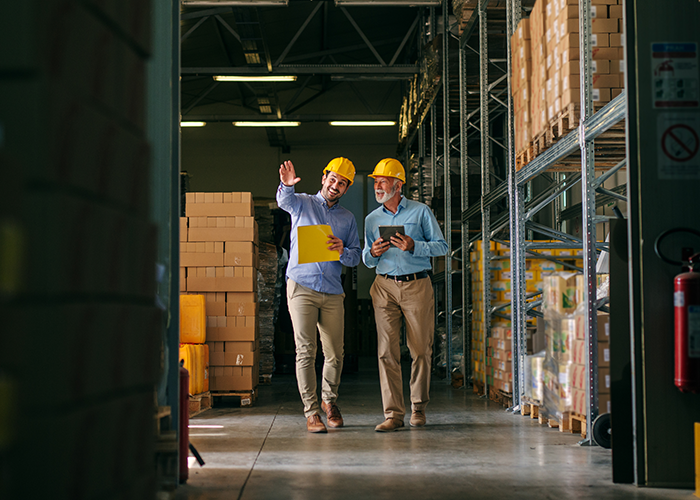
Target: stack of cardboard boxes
218	259
492	356
553	84
580	375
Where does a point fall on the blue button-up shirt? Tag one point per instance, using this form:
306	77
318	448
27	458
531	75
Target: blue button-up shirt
309	210
420	224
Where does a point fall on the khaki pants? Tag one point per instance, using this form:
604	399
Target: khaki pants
414	300
310	309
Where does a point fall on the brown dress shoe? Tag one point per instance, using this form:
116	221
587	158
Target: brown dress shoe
315	424
389	425
335	419
418	418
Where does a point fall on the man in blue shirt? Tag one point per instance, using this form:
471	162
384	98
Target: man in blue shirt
402	288
314	291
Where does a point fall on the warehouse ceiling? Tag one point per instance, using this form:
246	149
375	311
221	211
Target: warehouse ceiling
350	63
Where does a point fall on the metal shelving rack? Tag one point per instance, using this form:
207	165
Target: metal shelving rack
521	211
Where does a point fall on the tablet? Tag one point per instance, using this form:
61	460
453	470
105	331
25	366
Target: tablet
386	232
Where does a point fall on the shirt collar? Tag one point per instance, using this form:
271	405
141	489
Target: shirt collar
320	199
402	204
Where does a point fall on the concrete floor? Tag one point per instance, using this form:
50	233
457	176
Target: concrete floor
471	448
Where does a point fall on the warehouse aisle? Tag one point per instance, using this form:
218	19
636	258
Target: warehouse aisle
470	449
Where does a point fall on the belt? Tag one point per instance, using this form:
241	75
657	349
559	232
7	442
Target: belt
407	277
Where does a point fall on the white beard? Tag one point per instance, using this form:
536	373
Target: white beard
384	196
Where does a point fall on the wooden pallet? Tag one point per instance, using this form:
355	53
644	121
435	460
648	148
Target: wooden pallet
199	403
609	147
578	424
503	398
247	397
530	407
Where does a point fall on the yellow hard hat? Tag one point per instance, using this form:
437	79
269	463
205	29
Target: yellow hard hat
341	166
389	167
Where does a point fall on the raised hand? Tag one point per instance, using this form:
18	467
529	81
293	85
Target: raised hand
287	174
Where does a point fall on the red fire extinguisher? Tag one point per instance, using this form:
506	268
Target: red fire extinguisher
686	305
184	422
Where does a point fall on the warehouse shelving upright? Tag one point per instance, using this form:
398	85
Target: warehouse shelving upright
523	207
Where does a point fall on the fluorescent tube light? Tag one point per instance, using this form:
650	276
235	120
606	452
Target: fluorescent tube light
362	123
192	124
259	78
266	124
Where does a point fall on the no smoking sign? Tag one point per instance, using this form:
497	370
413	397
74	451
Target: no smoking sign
679	146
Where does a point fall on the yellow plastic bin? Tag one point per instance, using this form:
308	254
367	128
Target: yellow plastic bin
193	319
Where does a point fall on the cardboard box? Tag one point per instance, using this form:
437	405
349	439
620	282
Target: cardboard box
183	228
579	403
603	404
219	204
241	308
241	253
603	327
579	351
237	328
616	40
222	279
605	53
215	303
183	280
604	380
233	354
603	354
234	378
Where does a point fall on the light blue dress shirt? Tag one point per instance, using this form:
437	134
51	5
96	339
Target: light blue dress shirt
308	210
420	224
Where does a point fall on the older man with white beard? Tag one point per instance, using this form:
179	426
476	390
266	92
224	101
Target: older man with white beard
402	288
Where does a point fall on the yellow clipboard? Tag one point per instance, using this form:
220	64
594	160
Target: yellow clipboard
312	246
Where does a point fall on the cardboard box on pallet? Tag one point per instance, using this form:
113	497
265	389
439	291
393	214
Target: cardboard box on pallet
233	353
232	328
241	253
219	205
222	279
222	229
202	254
234	378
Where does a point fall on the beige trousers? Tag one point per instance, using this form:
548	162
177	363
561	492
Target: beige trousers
310	309
414	300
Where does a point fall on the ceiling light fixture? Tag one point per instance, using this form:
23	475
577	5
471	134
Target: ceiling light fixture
261	78
267	124
362	123
192	124
392	3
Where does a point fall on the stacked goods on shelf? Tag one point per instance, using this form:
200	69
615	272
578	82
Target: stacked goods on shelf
490	359
521	83
563	292
579	354
553	85
463	11
80	332
193	350
422	90
219	260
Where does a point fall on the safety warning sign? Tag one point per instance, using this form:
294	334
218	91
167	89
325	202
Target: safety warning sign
679	145
675	75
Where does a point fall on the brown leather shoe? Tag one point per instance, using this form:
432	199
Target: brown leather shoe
315	424
418	418
335	419
389	425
